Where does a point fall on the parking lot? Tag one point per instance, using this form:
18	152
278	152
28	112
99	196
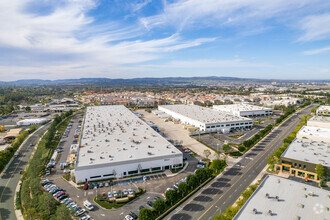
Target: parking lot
177	133
155	184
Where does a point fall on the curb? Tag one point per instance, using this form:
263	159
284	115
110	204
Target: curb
19	149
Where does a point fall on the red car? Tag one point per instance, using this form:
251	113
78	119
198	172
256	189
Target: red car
184	149
85	186
62	193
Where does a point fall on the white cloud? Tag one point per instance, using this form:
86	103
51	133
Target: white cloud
316	51
315	27
188	13
68	37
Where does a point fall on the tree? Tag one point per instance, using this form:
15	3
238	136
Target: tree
201	175
192	181
183	188
321	171
207	153
171	196
145	214
226	148
62	213
27	108
47	204
218	165
159	206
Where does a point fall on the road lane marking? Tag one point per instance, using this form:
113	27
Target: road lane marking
270	147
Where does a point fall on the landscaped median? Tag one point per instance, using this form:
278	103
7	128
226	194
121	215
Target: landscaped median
6	155
35	204
114	203
174	198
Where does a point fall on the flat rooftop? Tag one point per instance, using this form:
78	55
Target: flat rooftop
314	131
204	115
240	107
115	134
309	151
295	201
324	107
321	119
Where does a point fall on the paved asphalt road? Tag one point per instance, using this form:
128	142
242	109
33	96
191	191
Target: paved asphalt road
223	191
10	178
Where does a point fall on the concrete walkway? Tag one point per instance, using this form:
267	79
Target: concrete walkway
177	133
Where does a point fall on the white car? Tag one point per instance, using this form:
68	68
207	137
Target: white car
88	205
86	217
130	191
80	212
115	193
125	191
128	217
109	194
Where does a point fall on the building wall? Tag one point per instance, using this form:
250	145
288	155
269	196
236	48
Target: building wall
211	127
102	171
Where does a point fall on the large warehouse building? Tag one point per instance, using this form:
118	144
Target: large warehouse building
280	198
116	143
206	119
244	110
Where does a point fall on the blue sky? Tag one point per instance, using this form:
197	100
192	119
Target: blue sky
58	39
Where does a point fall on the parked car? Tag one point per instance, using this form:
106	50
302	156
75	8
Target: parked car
96	185
115	193
80	212
62	197
128	217
109	195
130	191
150	203
107	183
86	217
85	187
135	216
141	207
91	186
88	205
101	184
125	192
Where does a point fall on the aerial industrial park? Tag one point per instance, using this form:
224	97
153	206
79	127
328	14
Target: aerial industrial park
164	110
166	158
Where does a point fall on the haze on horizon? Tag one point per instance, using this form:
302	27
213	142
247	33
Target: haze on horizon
61	39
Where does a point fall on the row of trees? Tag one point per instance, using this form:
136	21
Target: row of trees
275	157
7	154
34	202
184	188
255	139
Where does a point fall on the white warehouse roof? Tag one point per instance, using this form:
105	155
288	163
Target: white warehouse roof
204	115
314	133
286	199
240	108
309	151
113	134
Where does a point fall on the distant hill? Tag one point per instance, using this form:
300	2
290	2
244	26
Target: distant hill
135	81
